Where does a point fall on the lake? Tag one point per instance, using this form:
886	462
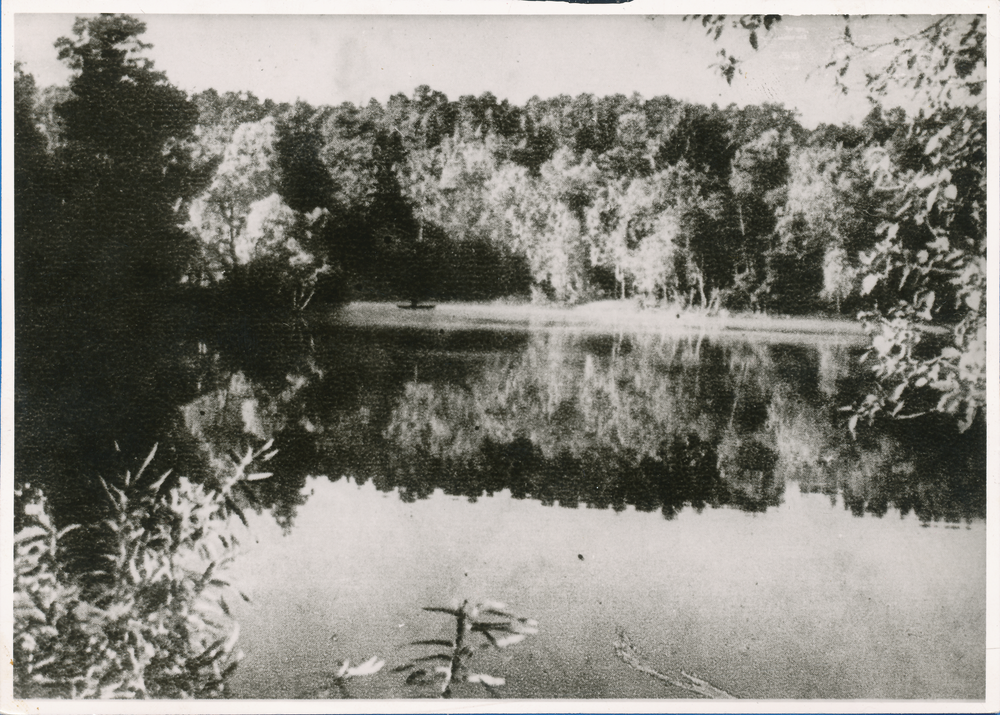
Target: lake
698	492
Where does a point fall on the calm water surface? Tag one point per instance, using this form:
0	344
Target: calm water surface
699	493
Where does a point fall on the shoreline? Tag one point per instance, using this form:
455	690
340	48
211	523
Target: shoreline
601	316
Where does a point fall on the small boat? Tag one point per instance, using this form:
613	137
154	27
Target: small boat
414	305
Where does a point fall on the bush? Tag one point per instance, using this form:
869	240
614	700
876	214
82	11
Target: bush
153	621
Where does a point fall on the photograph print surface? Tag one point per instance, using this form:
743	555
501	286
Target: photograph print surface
552	355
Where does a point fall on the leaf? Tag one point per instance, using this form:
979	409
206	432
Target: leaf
234	507
868	284
491	626
155	486
485	679
415	676
208	654
528	626
369	667
65	531
145	464
30	533
444	657
932	198
495	607
231	667
208	574
434	641
512	639
257	476
935	141
928	305
753	39
107	491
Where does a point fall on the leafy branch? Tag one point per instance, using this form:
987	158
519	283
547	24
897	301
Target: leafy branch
715	25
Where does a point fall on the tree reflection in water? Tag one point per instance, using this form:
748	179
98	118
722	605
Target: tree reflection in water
655	423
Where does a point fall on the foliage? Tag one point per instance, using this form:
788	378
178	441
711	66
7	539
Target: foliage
99	252
543	219
495	627
152	621
122	163
250	238
715	25
934	249
828	217
927	261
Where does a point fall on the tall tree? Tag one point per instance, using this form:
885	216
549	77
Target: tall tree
303	181
123	162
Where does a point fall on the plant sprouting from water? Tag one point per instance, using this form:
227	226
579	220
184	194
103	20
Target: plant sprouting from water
485	625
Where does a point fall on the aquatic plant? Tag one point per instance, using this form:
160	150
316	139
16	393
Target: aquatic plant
152	619
485	625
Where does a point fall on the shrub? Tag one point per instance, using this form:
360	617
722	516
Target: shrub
153	620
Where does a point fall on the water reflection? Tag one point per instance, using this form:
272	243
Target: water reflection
645	421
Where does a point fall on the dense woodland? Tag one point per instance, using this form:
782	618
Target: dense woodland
564	198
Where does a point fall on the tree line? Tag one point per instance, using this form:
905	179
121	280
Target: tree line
567	199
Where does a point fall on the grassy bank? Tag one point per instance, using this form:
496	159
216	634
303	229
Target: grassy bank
602	316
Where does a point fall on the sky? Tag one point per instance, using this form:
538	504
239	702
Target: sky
329	59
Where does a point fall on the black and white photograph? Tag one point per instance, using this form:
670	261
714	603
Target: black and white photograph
499	356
